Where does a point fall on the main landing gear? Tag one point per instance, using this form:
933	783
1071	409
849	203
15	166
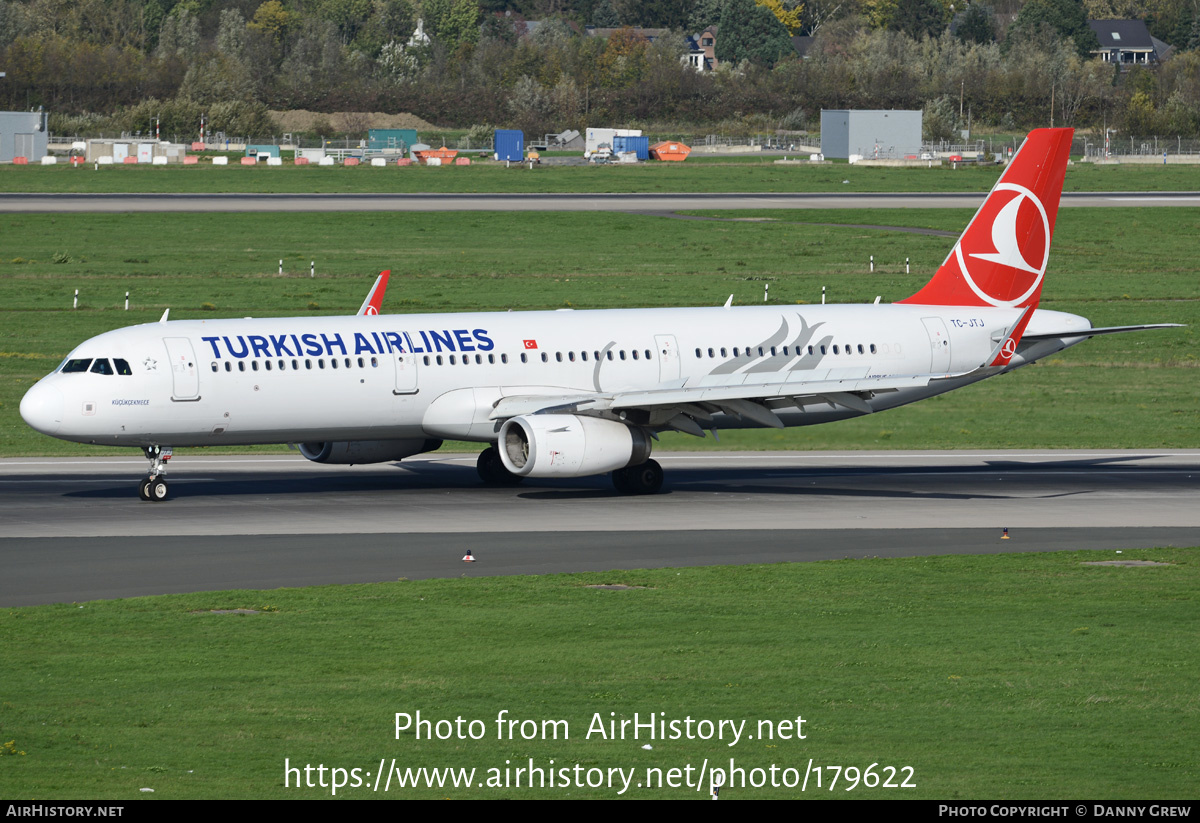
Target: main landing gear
646	478
154	487
492	471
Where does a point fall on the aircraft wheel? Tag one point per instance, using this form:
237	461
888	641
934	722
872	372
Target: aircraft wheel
144	489
645	479
620	479
157	489
492	471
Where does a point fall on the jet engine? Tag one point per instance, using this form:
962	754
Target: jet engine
366	451
568	445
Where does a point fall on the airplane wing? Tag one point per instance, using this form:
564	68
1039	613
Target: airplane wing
683	407
374	299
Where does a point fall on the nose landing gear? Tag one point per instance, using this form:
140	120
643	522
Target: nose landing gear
154	487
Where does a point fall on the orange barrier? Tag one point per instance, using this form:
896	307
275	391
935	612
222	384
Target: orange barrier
249	161
191	160
197	146
404	161
462	161
130	161
350	161
77	160
301	161
20	161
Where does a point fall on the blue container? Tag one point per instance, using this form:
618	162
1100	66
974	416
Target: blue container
510	144
641	145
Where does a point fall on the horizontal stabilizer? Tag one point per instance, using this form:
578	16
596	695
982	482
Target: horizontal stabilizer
1052	335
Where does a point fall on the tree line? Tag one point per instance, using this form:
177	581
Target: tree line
120	64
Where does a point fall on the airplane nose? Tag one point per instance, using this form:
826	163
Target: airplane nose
42	408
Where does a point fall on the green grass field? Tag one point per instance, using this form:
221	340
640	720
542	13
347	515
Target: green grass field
1115	267
710	176
1003	677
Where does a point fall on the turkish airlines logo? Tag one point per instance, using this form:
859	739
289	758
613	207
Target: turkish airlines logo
531	344
1015	242
1010	347
371	310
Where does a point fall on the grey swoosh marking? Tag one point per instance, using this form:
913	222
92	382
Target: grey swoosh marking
603	356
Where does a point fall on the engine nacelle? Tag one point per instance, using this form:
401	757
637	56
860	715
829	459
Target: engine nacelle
366	451
568	445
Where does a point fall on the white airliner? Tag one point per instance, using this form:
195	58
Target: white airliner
573	393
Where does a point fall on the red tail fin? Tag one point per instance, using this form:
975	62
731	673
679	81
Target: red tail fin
1001	258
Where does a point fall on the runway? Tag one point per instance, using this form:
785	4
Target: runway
74	529
130	203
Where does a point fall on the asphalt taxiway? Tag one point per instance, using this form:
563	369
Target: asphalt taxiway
73	529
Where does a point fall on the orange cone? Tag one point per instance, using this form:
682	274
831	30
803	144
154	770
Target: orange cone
1005	535
468	557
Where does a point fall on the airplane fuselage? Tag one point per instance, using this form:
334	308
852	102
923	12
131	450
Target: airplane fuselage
276	380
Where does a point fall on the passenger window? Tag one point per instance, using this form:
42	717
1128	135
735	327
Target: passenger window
835	349
622	354
308	364
503	358
860	348
873	348
215	367
347	362
267	363
583	356
524	357
102	366
647	354
228	366
254	365
635	354
426	360
321	363
452	361
122	366
810	349
558	356
295	365
711	353
785	351
735	351
374	363
241	365
545	357
439	360
610	354
723	351
823	351
333	362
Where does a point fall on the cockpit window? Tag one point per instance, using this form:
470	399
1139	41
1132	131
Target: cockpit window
102	366
76	365
122	366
